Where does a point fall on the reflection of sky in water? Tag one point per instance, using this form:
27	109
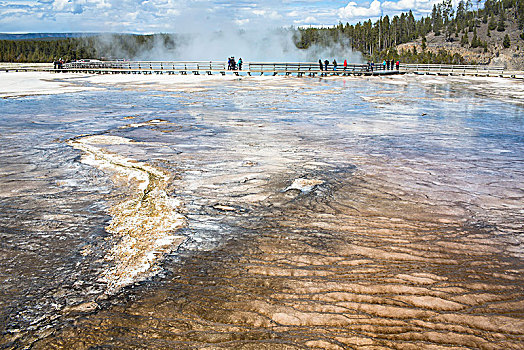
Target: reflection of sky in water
436	139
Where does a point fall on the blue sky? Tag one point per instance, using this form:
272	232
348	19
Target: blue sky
180	16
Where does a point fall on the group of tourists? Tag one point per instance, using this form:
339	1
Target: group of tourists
58	64
386	65
324	66
232	64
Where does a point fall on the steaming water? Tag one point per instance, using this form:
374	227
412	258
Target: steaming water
311	213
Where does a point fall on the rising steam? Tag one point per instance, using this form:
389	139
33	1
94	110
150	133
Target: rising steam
262	45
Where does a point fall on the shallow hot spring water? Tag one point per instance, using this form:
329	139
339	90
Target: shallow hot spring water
263	213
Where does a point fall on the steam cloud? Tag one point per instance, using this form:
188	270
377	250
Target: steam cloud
253	45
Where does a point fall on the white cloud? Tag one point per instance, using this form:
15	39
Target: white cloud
306	21
102	4
172	12
17	3
406	5
274	15
352	10
186	16
11	12
400	5
377	9
60	5
242	22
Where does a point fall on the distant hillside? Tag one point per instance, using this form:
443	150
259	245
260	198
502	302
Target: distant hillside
483	42
43	36
457	35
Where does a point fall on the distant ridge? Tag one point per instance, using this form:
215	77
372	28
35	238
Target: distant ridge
37	36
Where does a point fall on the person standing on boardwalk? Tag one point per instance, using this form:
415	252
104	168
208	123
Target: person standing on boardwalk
326	64
398	65
345	65
320	64
240	63
387	64
334	64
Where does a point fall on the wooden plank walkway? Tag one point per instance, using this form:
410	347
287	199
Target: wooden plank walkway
300	69
210	68
461	70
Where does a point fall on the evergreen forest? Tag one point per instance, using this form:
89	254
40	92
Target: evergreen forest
105	46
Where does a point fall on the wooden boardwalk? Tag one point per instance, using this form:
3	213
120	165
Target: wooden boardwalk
461	70
206	68
311	69
209	68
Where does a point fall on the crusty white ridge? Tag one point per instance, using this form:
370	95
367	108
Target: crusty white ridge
146	222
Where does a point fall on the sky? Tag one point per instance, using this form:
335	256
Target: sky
187	16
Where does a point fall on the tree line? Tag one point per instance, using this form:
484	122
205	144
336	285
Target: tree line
110	46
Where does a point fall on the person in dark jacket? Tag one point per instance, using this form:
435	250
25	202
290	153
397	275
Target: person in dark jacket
326	64
320	64
334	65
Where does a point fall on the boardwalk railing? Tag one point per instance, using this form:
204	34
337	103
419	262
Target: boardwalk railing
151	65
451	68
303	67
255	67
274	68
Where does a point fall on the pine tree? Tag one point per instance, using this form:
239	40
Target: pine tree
461	13
520	13
501	25
492	25
464	40
506	43
475	42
